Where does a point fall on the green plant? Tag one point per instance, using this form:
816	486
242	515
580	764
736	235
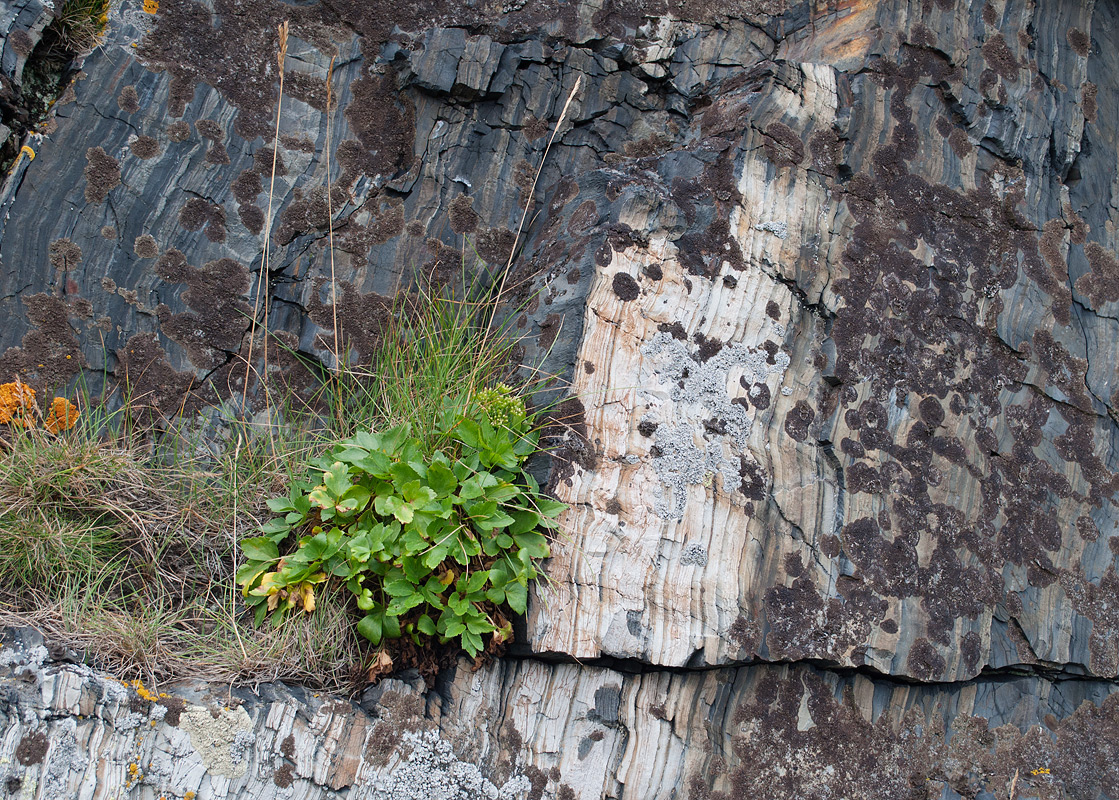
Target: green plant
431	542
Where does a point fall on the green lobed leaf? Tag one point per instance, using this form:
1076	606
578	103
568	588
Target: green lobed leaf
260	548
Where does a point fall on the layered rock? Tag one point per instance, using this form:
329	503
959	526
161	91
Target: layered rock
526	729
835	289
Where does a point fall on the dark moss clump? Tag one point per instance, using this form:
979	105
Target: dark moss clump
102	174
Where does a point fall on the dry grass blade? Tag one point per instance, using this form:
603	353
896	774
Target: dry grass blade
532	193
262	278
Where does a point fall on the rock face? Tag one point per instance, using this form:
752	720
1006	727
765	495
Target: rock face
836	290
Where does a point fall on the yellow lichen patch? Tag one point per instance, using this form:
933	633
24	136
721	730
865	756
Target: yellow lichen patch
17	403
62	417
143	691
151	6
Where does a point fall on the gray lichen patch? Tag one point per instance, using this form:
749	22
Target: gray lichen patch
434	772
704	412
222	740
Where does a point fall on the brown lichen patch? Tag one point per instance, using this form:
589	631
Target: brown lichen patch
178	131
309	213
583	218
301	143
144	147
266	159
1079	41
1096	601
462	216
384	120
217	155
913	328
102	174
1088	100
246	186
283	777
746	633
108	232
999	58
494	245
535	128
145	246
218	317
307	87
625	287
523	176
385	222
290	374
567	427
362	318
128	100
81	308
64	255
1101	285
210	129
924	662
198	212
157	390
782	145
175	707
252	217
48	356
798	420
21	42
231	46
32	748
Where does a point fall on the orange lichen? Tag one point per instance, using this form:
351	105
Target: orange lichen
62	417
17	403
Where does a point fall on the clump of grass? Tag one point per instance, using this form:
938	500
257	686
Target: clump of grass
81	24
127	552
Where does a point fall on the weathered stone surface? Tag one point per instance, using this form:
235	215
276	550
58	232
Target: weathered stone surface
835	286
527	729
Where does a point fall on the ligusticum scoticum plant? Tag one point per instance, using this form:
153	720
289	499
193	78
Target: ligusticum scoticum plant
432	543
